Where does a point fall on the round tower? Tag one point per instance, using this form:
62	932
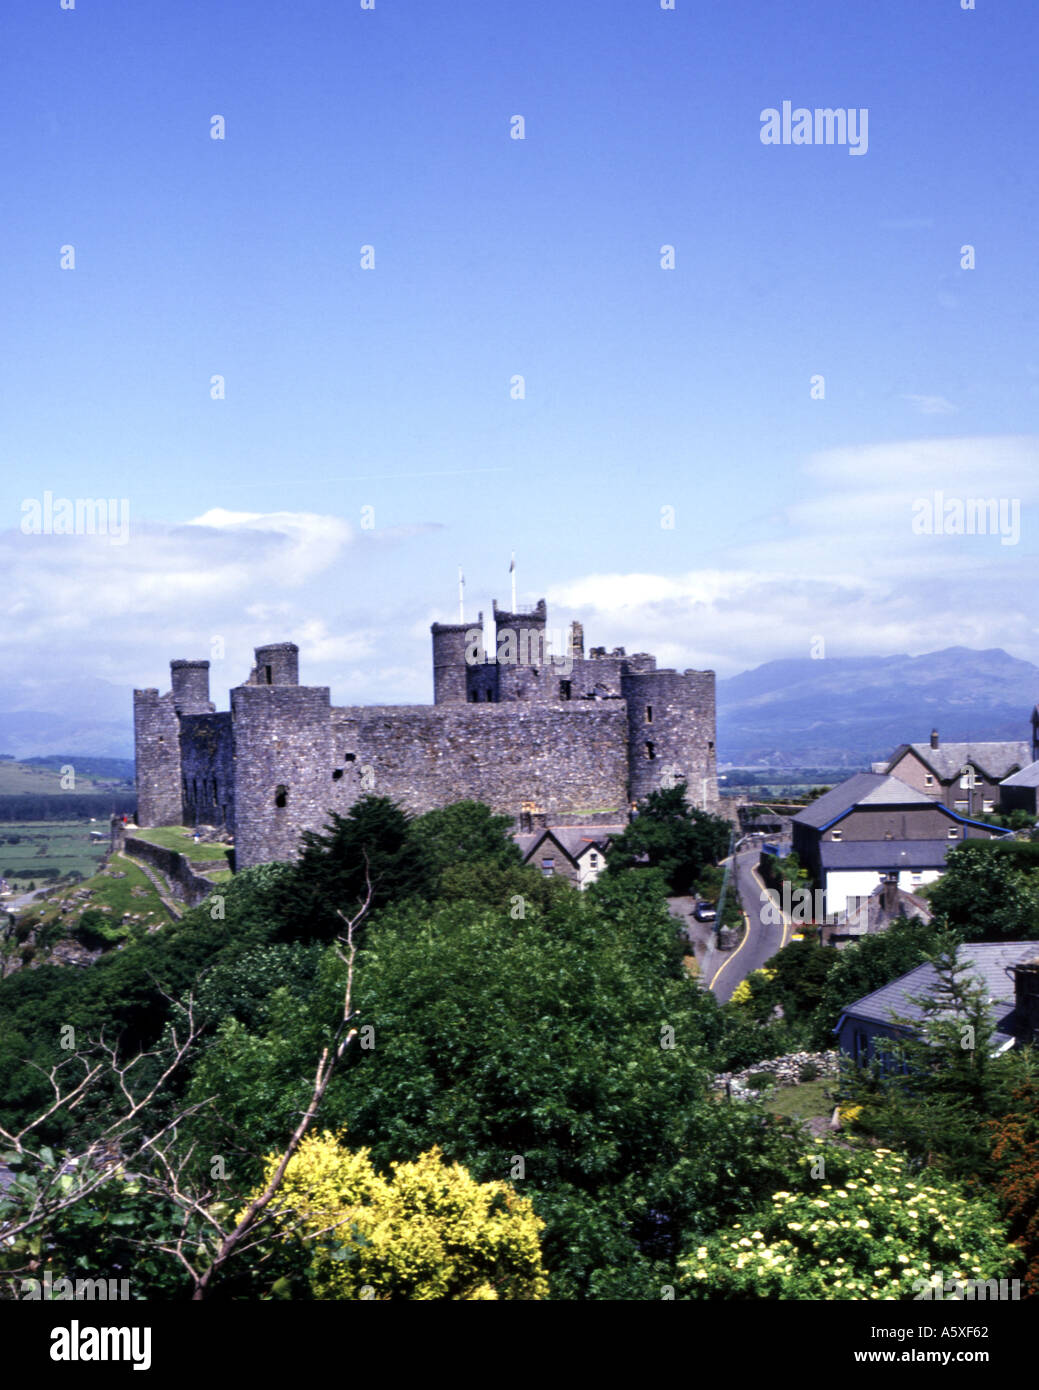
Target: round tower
277	664
671	721
523	662
189	682
450	642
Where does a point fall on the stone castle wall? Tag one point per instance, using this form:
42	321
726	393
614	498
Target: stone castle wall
562	745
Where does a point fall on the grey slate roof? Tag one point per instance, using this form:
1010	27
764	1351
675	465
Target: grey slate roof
862	789
990	960
885	854
574	839
948	759
1027	777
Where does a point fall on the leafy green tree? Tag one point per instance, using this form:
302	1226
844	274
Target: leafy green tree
464	833
373	843
982	896
566	1051
867	964
670	835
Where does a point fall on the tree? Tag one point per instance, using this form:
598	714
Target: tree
936	1085
868	1229
867	964
464	833
425	1231
373	842
673	836
982	896
1015	1160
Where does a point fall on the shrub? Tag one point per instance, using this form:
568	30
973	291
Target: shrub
760	1080
809	1072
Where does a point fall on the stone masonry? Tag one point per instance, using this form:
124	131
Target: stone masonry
529	731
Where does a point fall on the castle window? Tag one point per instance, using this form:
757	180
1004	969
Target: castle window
473	697
649	714
349	757
270	674
337	774
710	745
487	696
651	751
564	690
281	796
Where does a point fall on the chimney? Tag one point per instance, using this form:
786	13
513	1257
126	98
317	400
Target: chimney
1026	999
934	738
889	896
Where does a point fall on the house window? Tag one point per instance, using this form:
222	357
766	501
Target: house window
987	805
649	714
548	868
928	780
837	835
593	861
651	751
916	876
954	834
861	1045
281	797
961	805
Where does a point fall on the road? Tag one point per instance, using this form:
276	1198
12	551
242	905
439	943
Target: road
723	970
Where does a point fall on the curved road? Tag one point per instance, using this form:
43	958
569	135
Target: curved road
762	939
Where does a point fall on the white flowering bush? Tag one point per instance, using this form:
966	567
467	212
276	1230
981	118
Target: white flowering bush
874	1232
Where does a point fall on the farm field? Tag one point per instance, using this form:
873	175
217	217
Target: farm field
39	851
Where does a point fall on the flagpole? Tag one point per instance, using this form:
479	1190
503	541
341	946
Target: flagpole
512	571
461	595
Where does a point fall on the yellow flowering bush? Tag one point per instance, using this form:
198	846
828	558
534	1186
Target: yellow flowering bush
426	1231
872	1232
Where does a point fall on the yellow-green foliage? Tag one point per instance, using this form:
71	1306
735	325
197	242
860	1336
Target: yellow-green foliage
741	994
427	1231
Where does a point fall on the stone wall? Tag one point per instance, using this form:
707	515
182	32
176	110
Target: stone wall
207	769
188	883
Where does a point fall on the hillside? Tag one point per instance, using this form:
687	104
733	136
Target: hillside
848	711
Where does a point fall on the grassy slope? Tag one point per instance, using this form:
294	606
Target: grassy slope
178	837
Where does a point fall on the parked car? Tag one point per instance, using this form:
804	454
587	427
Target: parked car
705	912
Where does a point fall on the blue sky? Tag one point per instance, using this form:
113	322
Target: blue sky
390	388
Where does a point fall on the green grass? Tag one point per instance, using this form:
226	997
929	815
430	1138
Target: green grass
807	1101
179	838
62	845
18	779
133	894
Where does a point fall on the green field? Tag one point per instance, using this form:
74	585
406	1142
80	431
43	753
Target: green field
20	779
29	847
179	838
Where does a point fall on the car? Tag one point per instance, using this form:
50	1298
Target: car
705	912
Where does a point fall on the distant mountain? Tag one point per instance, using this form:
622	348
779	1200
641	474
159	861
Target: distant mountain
83	717
850	711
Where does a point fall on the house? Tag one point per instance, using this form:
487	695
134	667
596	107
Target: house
963	776
574	852
1009	971
875	827
865	916
1020	791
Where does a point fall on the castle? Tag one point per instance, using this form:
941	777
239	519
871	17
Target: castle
563	737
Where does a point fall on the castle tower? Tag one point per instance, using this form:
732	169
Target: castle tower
671	720
523	662
276	664
189	685
450	669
